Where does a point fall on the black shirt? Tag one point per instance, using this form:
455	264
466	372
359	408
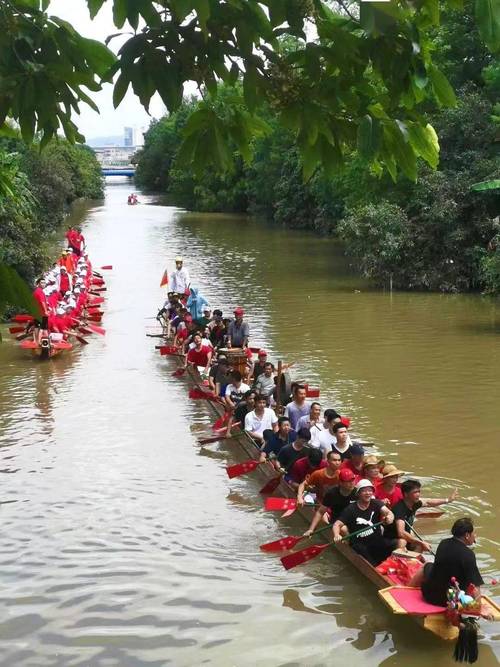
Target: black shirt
404	513
288	455
275	444
240	412
453	559
337	502
355	518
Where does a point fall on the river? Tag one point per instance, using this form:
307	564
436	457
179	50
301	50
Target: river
124	544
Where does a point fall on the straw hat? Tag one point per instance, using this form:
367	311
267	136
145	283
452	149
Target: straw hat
371	460
391	471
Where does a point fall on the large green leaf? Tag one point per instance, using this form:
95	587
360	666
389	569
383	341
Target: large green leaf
488	22
424	142
486	185
443	91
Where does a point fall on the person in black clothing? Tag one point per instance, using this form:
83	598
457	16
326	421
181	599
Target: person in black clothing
365	512
335	501
276	440
453	558
291	453
404	515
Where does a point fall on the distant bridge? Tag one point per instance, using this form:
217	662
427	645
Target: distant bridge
118	171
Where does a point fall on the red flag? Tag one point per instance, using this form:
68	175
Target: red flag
292	560
241	468
284	544
271	486
164	278
273	504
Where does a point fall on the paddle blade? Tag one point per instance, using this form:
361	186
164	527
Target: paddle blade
208	441
200	394
81	340
96	301
271	486
179	373
285	544
241	468
16	330
96	329
280	504
292	560
95	317
288	513
62	345
164	278
29	345
167	349
221	422
107	267
22	318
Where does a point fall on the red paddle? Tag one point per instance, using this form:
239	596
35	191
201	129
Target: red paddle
96	301
200	394
107	267
286	543
22	318
167	349
179	373
241	468
221	422
96	329
292	560
280	504
16	330
271	485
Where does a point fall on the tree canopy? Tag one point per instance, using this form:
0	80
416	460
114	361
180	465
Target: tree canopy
338	75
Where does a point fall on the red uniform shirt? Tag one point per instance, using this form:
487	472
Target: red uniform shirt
301	468
347	464
41	299
199	357
394	497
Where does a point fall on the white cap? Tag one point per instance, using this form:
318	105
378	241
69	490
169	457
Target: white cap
363	484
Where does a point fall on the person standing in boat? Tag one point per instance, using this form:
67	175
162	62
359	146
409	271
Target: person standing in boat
313	422
298	407
454	559
238	330
259	365
371	544
41	298
180	280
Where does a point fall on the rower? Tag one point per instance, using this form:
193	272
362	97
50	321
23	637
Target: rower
218	377
313	422
260	419
238	330
64	282
179	280
241	410
275	442
206	318
336	438
335	500
291	453
298	407
371	544
454	559
322	480
264	384
259	366
356	461
217	328
302	468
389	490
200	355
404	513
235	390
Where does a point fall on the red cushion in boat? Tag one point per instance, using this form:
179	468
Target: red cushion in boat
412	601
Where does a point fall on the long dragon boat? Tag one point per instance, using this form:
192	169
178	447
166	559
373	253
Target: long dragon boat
401	600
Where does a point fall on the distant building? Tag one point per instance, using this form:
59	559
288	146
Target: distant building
115	156
133	136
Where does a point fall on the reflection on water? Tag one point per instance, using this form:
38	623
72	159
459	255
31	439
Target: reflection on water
123	542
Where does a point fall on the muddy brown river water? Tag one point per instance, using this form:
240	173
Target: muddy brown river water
123	543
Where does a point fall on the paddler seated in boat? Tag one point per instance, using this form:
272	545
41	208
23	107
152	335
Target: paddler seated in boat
264	384
335	500
241	410
371	469
404	513
199	356
304	467
335	438
217	328
371	543
238	330
389	489
180	280
314	423
321	481
298	406
235	390
218	377
291	453
275	441
260	419
356	461
454	559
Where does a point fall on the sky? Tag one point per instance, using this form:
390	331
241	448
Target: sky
109	121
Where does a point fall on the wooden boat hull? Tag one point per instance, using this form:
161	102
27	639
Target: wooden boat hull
438	624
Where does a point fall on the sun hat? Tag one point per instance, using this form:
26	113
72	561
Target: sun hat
391	471
178	259
370	460
363	484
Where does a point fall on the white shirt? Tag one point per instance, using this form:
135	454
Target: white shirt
239	391
316	430
179	281
256	424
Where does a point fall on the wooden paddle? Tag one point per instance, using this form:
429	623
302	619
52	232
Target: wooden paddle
292	560
408	525
16	330
287	543
107	267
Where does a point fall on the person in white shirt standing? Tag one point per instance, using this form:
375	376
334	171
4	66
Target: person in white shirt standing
314	423
260	419
180	280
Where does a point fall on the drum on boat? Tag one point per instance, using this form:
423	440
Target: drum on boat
237	359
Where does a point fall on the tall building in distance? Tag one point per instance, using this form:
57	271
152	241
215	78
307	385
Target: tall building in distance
133	136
